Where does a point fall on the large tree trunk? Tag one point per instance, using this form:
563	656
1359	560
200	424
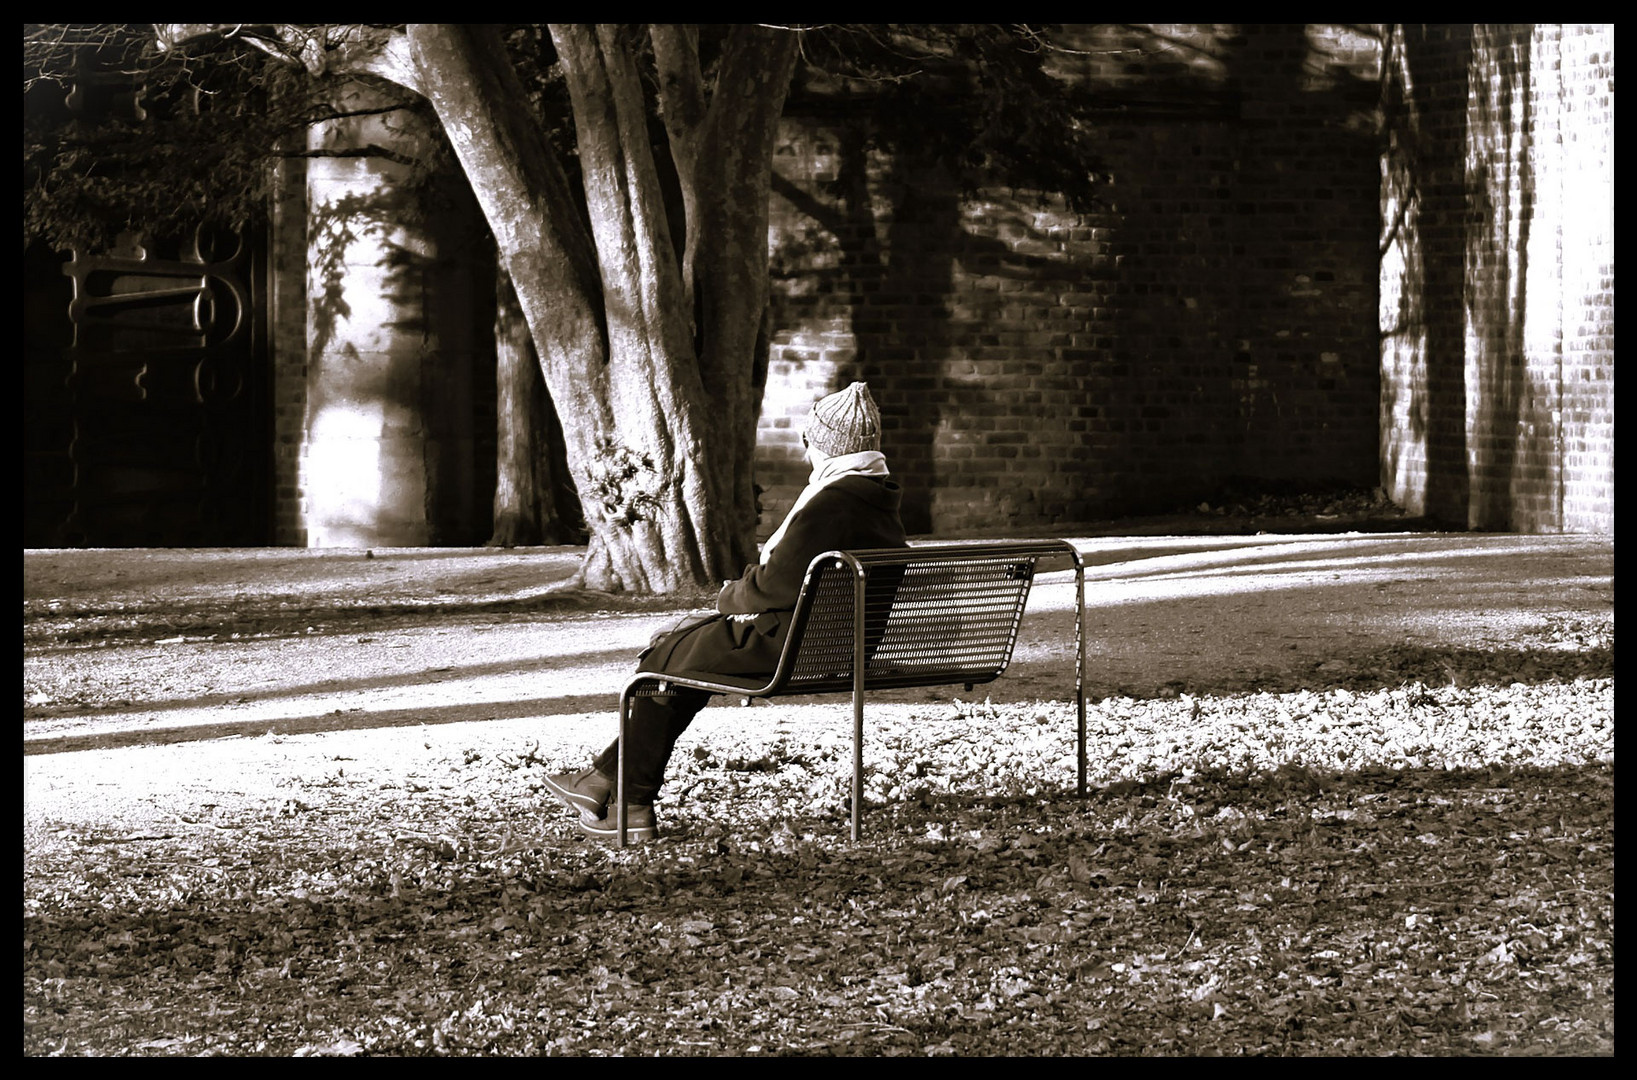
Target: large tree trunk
525	503
659	443
653	357
724	158
659	413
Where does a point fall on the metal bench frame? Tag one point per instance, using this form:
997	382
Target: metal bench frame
821	603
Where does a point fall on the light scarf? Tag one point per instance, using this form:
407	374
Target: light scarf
825	473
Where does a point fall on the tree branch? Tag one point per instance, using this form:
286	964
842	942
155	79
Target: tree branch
681	88
371	151
335	49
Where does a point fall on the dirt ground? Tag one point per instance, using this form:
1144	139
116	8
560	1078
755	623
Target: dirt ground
153	646
227	733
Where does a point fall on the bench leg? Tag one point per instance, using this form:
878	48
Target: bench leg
619	780
858	763
1080	664
858	704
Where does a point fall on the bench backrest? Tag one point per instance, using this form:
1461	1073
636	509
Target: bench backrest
934	615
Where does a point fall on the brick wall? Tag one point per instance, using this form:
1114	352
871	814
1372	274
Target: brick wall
1497	280
1212	326
287	313
1585	102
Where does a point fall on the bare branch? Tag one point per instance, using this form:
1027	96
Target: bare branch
681	85
324	49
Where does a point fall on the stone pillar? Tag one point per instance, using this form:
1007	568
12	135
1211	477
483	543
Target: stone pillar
388	437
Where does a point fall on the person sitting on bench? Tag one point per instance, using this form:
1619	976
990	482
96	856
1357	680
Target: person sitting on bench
850	502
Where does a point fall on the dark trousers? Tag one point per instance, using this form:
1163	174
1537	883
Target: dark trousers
651	732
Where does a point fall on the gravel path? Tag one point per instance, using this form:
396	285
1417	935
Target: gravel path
1308	632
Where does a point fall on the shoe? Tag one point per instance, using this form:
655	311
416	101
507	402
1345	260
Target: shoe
586	792
639	825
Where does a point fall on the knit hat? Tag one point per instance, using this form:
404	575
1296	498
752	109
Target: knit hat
846	422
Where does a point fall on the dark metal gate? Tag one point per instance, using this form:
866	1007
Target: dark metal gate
149	422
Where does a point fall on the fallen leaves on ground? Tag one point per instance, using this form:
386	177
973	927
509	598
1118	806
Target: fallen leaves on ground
1426	869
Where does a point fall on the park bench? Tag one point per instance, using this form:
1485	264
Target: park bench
888	618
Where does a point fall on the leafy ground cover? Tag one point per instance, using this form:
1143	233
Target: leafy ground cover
1388	832
1414	867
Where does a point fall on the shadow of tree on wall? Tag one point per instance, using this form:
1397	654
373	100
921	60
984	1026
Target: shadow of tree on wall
333	227
1426	163
1501	180
1403	320
870	278
1255	385
1460	174
897	287
1150	391
898	292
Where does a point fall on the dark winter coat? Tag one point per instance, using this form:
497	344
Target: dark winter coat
853	512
